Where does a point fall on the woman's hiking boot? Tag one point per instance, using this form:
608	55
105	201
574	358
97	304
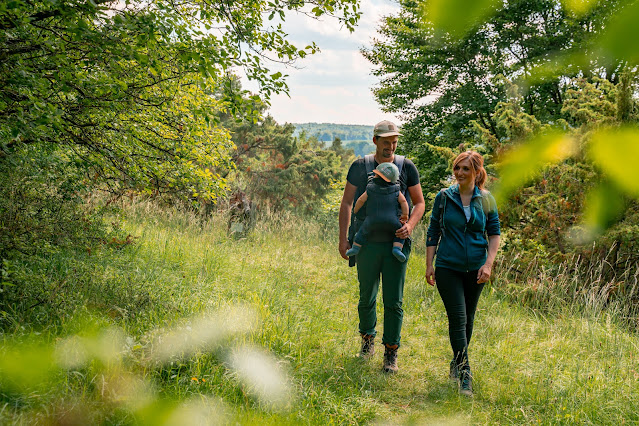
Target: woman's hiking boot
368	347
390	359
454	372
466	383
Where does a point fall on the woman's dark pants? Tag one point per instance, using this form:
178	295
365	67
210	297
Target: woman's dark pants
460	293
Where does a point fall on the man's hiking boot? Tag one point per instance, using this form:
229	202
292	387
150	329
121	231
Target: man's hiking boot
368	347
390	359
454	372
466	383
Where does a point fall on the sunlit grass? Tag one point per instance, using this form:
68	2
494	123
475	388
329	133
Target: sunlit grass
187	325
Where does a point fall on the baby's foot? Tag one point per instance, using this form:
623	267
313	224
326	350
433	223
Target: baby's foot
353	251
397	252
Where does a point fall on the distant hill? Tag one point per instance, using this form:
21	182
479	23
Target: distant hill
327	132
353	136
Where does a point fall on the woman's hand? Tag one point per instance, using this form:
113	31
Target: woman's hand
483	275
430	275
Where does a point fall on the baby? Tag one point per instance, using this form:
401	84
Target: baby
382	197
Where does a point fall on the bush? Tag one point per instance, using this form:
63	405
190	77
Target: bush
43	204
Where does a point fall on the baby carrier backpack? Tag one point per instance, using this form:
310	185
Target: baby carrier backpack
358	219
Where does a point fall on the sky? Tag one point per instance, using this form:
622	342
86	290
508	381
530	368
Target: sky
334	85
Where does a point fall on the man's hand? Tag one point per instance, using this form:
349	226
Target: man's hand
343	247
344	217
405	231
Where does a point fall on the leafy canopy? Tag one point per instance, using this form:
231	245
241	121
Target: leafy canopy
128	86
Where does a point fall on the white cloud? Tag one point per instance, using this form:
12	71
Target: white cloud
335	84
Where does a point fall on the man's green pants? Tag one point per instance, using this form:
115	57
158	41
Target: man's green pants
375	260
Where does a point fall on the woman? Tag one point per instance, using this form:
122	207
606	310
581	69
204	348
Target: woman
465	224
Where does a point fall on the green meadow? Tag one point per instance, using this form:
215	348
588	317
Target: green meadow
183	325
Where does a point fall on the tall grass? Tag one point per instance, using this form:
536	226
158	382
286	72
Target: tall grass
581	285
187	325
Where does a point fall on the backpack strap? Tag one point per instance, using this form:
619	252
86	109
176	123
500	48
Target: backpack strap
369	162
484	200
442	206
399	162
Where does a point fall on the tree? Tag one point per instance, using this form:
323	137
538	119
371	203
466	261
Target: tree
543	217
102	78
442	83
123	96
278	170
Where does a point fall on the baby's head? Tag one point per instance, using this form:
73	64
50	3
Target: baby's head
388	172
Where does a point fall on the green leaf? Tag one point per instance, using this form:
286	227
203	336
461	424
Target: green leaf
524	162
26	366
457	17
579	7
619	41
603	207
612	150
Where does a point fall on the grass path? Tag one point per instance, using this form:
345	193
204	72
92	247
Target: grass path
528	368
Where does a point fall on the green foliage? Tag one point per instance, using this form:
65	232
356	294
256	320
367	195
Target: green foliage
297	182
447	67
538	217
554	192
282	171
126	98
445	16
591	103
608	147
599	48
361	148
42	204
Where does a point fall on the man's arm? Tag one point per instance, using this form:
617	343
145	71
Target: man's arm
419	206
345	216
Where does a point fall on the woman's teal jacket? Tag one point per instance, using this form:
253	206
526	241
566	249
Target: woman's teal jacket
462	245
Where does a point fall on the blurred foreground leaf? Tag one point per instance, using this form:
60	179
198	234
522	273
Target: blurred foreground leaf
457	17
25	366
612	150
619	41
604	205
524	162
579	7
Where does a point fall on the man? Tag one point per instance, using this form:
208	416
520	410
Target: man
376	258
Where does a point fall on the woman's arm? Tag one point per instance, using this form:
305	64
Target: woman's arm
430	269
483	275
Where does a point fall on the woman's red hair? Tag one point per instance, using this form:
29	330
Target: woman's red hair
477	163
